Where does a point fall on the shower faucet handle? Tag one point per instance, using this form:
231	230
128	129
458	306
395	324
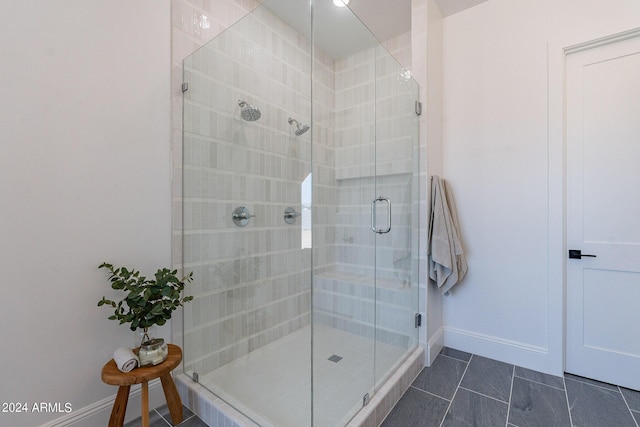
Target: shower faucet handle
290	215
241	216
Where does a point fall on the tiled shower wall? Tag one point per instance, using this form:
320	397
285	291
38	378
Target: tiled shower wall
252	284
374	102
194	22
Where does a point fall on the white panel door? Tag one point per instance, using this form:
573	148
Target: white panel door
603	213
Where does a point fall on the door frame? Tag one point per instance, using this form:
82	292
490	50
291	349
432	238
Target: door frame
557	52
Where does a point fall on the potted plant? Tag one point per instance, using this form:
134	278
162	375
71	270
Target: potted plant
148	301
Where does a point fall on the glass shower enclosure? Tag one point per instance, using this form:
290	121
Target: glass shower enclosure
300	214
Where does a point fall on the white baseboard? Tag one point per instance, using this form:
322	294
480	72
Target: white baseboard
513	352
98	413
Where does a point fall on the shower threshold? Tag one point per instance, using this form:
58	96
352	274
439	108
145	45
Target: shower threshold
272	385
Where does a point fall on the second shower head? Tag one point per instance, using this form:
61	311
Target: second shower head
249	112
300	127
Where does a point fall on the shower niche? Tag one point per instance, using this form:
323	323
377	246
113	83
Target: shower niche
300	215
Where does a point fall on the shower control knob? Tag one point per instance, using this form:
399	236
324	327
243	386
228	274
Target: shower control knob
241	216
290	215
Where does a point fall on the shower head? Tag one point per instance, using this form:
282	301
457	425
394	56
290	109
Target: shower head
300	127
249	112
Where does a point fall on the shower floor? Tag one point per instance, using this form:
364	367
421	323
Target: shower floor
272	385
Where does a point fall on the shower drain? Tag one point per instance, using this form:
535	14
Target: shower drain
335	358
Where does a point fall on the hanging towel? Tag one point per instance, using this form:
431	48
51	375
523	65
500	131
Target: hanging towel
447	263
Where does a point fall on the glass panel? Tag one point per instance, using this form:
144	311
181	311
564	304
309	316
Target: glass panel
344	91
247	333
397	173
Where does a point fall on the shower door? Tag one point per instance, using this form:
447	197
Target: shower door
396	194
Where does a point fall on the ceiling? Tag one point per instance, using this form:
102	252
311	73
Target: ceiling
339	32
385	18
389	18
449	7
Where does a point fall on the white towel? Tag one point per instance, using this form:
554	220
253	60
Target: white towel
447	263
125	359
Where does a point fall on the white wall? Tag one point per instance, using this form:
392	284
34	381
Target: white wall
496	158
432	130
85	178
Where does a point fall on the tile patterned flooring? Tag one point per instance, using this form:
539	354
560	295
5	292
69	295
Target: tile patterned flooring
160	417
461	389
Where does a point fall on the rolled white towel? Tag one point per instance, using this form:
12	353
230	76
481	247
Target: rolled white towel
125	359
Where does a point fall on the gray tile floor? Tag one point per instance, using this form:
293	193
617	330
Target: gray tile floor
160	417
461	389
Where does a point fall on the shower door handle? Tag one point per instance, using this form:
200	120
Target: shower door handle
373	215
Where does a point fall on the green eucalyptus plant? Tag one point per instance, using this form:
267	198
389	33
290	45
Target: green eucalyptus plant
148	301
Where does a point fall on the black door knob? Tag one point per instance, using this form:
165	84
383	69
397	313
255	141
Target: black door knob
577	254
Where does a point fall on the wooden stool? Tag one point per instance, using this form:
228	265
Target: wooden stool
114	376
